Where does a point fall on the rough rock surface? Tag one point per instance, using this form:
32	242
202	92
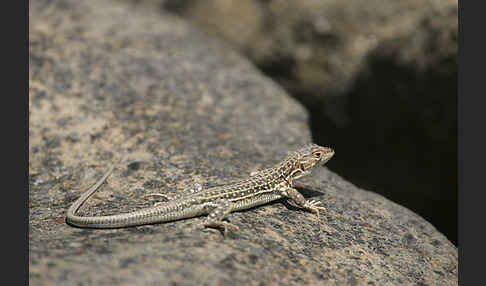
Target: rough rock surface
381	74
110	83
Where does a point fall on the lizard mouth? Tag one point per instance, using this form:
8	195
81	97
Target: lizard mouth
323	162
309	166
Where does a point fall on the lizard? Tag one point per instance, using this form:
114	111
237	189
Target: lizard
217	202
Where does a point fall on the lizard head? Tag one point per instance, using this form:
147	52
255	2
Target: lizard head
300	162
311	155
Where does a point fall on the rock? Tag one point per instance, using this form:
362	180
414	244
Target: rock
110	84
381	75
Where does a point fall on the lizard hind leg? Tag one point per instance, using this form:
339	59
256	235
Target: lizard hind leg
194	188
165	197
217	211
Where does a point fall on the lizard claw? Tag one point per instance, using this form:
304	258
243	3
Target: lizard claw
314	207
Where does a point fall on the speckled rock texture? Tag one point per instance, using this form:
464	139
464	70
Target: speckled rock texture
112	84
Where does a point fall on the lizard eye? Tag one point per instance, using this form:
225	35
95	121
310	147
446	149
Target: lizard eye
317	155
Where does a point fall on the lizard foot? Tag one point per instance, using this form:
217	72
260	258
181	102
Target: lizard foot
222	225
313	206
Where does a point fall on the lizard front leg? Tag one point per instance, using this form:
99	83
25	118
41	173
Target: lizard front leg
298	200
297	174
217	211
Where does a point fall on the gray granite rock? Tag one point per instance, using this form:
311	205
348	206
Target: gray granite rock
108	84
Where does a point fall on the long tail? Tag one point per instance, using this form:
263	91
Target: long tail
71	217
168	212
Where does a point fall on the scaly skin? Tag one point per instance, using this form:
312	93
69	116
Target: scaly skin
217	202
